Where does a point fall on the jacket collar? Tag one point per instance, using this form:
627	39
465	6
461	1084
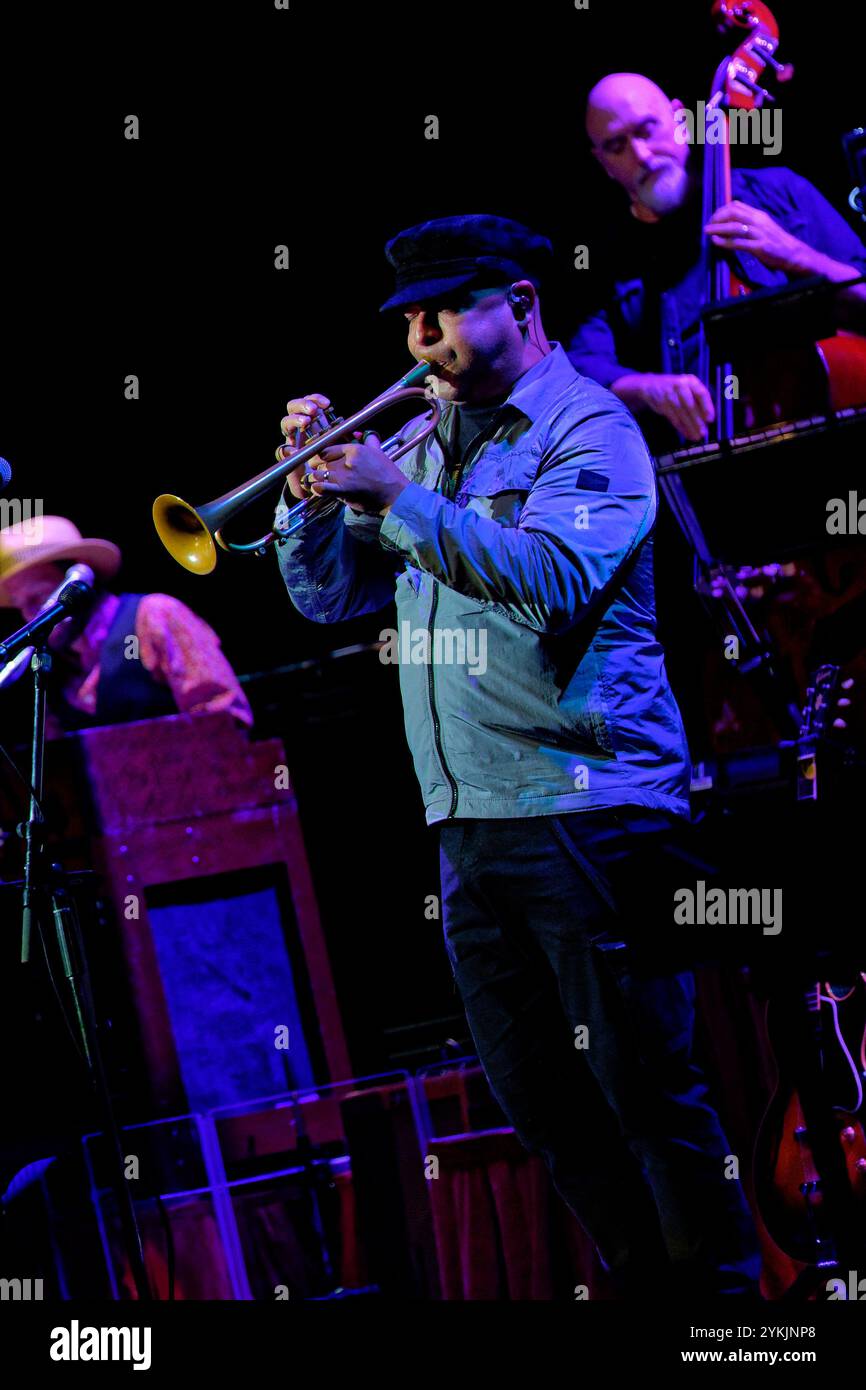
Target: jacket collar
535	391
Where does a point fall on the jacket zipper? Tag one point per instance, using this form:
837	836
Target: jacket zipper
437	729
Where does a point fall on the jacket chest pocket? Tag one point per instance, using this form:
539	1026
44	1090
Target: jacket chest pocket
497	484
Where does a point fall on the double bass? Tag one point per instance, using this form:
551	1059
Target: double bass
827	1026
829	374
783	604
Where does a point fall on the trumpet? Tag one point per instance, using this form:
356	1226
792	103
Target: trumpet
191	534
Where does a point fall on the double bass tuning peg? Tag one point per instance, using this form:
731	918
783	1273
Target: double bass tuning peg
784	71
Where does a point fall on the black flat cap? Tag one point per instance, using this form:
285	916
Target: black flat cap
437	257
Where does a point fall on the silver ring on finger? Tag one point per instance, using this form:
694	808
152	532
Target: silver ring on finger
325	473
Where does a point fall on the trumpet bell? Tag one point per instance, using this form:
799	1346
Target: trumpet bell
191	534
184	534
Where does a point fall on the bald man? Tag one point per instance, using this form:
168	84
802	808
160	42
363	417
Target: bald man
643	344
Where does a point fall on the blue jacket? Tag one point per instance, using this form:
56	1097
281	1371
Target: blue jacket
543	562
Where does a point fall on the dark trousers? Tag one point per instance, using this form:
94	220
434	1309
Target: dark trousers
586	1039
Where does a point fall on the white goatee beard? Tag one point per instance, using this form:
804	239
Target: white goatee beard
667	191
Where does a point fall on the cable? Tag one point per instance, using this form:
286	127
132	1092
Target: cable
59	997
18	773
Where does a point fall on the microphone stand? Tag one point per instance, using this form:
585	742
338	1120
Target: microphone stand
45	891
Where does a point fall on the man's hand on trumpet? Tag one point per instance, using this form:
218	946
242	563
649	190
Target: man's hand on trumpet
361	472
302	412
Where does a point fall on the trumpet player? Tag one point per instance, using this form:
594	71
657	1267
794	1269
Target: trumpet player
558	777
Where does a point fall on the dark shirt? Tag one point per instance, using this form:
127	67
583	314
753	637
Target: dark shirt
649	320
468	422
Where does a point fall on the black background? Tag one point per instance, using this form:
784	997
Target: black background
156	257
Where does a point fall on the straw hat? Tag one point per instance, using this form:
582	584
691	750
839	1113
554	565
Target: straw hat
45	540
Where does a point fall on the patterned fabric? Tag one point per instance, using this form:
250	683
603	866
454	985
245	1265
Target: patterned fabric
178	648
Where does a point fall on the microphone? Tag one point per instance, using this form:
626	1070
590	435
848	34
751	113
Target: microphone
69	598
5	474
14	669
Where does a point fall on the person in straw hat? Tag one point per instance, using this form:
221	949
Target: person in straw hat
126	656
